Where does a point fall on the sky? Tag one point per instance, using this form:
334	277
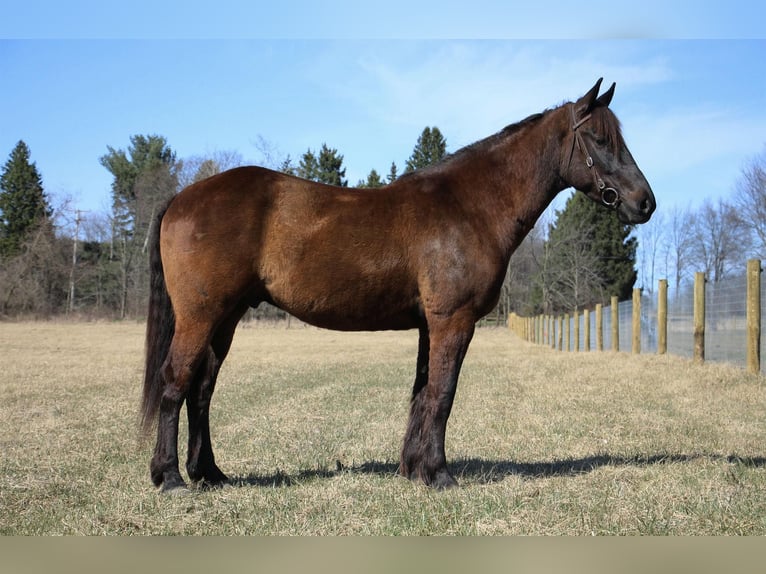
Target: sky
691	100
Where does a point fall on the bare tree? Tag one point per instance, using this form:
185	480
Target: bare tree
568	269
750	201
679	243
34	280
199	167
519	284
720	241
651	238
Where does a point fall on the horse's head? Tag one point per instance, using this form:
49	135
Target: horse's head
597	161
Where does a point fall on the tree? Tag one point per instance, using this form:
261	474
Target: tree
519	286
430	149
651	236
196	168
33	281
287	166
750	201
373	181
330	167
145	177
392	173
679	245
308	168
720	241
23	202
590	256
326	168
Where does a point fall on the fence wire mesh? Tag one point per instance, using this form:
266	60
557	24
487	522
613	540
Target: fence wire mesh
725	324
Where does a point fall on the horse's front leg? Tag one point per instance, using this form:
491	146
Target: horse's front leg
441	351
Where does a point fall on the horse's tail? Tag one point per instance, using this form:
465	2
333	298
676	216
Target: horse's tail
160	327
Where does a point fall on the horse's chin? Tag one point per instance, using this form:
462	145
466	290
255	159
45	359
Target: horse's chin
630	216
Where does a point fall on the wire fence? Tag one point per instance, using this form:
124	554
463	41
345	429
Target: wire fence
725	324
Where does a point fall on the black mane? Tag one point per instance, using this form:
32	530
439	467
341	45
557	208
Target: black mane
457	155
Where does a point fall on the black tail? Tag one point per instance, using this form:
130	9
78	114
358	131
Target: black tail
160	326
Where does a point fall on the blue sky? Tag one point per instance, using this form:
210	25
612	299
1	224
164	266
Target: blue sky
692	110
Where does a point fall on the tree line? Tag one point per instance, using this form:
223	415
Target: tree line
66	261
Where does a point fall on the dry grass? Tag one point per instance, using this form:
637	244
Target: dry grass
308	423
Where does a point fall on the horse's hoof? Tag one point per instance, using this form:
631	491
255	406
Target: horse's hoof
174	489
175	492
217	485
443	480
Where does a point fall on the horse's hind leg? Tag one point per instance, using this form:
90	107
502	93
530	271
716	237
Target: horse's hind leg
200	462
187	351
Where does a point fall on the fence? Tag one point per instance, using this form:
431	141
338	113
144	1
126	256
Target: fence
714	322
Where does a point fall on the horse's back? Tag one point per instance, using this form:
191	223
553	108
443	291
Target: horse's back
331	256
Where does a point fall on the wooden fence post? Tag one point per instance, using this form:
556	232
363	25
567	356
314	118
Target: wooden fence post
754	316
566	331
586	324
551	333
576	329
599	328
552	342
636	346
560	331
662	317
699	316
615	324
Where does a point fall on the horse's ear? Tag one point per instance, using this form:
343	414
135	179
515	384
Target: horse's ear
605	98
586	103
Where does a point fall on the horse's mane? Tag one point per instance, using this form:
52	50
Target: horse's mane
489	141
605	123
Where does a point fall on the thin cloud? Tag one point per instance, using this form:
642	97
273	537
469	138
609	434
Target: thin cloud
473	89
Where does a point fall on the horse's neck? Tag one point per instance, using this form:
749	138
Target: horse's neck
519	176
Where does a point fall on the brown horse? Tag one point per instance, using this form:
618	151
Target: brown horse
429	251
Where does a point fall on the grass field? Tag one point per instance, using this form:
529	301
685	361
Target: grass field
308	424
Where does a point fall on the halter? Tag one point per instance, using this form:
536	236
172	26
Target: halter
609	195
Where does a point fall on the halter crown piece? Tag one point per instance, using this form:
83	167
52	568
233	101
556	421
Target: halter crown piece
609	196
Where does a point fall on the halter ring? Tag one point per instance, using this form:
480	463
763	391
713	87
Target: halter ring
610	197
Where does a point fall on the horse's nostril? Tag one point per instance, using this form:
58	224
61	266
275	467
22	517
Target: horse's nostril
645	206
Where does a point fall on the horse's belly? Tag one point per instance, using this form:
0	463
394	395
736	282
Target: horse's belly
348	303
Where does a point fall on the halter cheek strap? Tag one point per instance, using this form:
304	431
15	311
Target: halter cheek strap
609	196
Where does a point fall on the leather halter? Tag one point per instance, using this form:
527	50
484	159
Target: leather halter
609	195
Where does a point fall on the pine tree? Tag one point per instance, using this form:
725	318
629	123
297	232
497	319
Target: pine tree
308	168
430	149
327	168
144	178
373	181
23	202
287	166
330	164
392	174
588	257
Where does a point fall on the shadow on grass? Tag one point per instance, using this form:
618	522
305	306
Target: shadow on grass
483	471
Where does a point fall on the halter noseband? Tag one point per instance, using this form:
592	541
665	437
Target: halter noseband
609	196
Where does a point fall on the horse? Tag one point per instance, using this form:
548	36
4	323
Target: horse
429	251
